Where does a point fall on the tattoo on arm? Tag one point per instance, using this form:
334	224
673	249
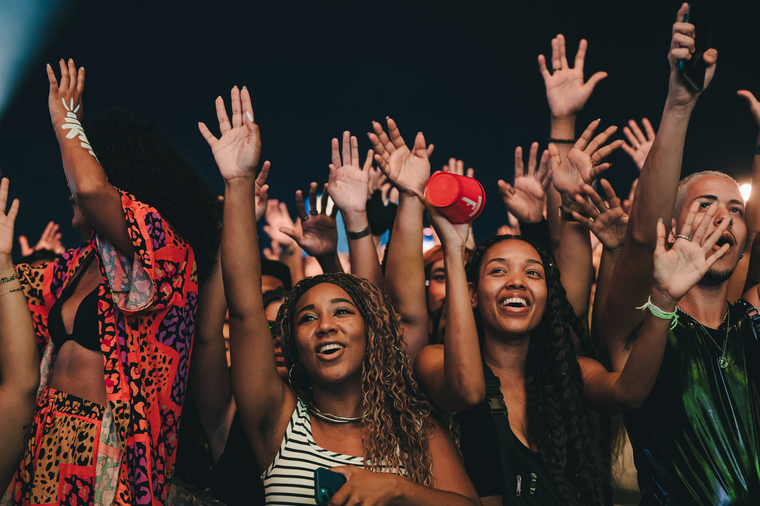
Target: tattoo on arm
75	127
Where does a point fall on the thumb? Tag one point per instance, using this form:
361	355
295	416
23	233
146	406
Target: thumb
25	249
290	233
594	80
711	59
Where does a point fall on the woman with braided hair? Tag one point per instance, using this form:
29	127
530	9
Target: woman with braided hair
534	440
352	404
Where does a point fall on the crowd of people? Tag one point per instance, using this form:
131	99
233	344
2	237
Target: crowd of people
464	374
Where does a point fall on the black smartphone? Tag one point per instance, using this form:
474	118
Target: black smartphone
326	483
693	70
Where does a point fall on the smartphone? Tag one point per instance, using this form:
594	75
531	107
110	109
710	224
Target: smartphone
693	70
326	483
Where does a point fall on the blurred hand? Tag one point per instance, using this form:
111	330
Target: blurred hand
607	222
50	240
525	200
7	220
277	217
640	144
754	105
319	234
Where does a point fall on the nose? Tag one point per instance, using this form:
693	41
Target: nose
327	326
515	280
723	214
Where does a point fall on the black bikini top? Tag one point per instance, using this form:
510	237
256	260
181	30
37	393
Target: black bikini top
86	331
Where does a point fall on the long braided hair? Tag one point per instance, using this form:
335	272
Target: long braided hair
568	436
394	406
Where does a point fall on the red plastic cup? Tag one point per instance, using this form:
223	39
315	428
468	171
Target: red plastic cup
459	198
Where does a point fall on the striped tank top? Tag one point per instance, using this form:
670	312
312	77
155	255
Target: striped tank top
290	477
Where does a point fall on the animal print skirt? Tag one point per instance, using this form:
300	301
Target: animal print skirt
73	455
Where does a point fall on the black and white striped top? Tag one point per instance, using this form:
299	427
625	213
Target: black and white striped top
290	478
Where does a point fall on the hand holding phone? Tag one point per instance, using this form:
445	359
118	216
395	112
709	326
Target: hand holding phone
693	70
326	483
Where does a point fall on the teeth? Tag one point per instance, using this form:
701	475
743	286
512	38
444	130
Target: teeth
515	300
329	347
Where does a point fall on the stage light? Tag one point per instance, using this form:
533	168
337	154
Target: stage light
24	26
746	189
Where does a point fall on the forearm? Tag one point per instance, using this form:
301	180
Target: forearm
575	265
463	366
405	271
413	494
362	252
292	256
19	363
606	267
330	263
562	128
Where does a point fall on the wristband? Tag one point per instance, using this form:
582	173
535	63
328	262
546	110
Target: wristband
560	141
9	278
659	313
359	234
11	291
565	215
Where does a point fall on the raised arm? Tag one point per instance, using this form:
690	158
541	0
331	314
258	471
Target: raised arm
263	400
452	373
283	246
19	363
676	271
566	94
97	199
654	198
348	185
405	273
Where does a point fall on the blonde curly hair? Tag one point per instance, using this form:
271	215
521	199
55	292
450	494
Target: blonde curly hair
395	426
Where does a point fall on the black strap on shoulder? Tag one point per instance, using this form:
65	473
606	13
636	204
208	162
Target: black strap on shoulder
503	432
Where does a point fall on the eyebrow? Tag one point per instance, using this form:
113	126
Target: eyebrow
529	260
333	301
713	197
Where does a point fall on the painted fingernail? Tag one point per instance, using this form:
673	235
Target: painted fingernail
245	87
250	117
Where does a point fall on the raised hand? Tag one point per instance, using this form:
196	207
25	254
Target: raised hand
682	47
319	235
348	182
565	90
584	161
277	217
450	235
50	240
238	150
7	220
752	102
66	97
525	200
640	143
607	222
678	269
404	167
457	167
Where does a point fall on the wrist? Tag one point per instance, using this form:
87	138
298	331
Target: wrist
678	108
563	127
247	181
663	300
355	221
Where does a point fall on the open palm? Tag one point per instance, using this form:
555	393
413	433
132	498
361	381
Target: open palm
348	183
6	219
404	167
525	200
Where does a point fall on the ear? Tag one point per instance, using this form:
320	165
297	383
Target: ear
473	294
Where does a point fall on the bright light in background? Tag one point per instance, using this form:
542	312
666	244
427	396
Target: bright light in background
746	189
24	26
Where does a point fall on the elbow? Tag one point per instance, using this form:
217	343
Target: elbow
86	190
628	402
465	398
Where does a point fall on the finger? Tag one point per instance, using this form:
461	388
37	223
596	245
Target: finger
605	151
583	220
749	97
4	184
336	153
532	159
594	79
689	221
25	249
419	146
13	211
704	224
506	189
323	201
595	198
291	233
300	206
72	69
684	41
659	248
682	12
346	159
470	172
47	232
586	136
637	131
562	56
599	140
556	63
547	180
556	161
648	128
543	166
237	108
206	133
51	78
631	136
395	135
313	198
80	80
64	84
628	149
221	115
580	56
715	256
591	211
450	166
597	170
261	179
354	152
710	241
430	150
245	102
518	162
542	67
368	161
612	198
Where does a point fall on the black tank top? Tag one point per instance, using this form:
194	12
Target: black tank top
86	331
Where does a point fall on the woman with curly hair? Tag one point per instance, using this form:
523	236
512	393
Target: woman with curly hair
353	405
115	316
534	439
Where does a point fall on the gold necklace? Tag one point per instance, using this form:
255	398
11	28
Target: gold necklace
722	360
329	417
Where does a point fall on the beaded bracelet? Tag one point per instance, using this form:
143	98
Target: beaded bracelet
9	278
11	291
560	141
659	313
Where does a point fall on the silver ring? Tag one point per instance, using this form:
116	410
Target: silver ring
681	236
595	163
312	212
554	70
305	218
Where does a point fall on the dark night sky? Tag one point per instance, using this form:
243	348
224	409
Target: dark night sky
464	73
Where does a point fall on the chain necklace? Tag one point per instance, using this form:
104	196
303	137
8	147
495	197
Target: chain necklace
722	360
329	417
